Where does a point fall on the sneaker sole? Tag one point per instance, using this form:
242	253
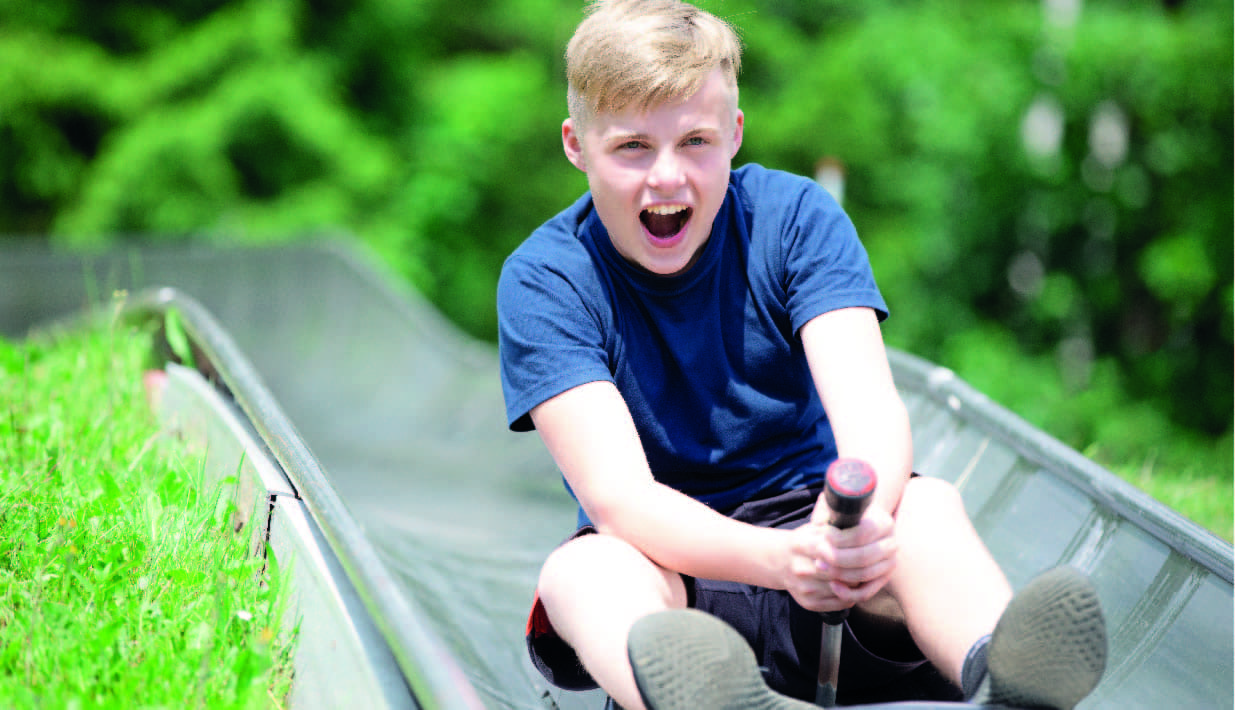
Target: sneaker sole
687	659
1049	647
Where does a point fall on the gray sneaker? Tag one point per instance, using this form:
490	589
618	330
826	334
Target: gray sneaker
687	659
1049	648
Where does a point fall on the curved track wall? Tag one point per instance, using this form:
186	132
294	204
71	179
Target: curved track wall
389	425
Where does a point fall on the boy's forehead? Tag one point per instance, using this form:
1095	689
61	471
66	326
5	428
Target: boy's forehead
710	107
652	123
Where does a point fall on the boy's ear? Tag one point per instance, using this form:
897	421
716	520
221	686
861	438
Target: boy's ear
572	145
740	121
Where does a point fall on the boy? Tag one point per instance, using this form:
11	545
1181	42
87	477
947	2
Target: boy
695	345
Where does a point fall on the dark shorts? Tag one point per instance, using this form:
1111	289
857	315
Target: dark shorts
879	662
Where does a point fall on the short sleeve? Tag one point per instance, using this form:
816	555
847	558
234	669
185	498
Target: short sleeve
549	338
825	265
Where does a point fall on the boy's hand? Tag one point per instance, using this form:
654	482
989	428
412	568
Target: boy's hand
834	569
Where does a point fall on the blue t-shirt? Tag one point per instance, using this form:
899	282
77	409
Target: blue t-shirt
709	361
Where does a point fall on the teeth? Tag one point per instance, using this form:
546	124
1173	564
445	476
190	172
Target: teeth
666	209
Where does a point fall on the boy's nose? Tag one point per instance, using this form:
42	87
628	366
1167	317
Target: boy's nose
666	175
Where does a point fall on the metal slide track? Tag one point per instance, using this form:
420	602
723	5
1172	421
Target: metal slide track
388	426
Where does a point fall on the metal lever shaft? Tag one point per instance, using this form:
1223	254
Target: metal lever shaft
848	488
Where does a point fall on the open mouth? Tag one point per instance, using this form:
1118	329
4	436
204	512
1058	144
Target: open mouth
665	221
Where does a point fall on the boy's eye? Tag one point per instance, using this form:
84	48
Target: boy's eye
696	140
630	145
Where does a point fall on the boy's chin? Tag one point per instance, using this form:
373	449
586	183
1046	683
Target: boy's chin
669	265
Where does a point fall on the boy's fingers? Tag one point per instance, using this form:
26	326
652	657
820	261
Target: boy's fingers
866	555
819	597
873	527
820	514
804	567
853	577
866	591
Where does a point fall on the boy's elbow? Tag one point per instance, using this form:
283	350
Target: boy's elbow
608	515
618	512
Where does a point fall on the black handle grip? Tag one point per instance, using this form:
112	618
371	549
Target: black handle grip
847	488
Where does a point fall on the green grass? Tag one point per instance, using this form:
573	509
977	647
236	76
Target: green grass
1192	473
120	583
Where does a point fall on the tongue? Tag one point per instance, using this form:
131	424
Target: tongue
662	225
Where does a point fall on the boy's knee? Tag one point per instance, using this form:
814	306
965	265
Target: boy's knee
583	559
931	497
606	562
566	563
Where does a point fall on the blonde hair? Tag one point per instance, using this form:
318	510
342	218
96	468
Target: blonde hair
645	53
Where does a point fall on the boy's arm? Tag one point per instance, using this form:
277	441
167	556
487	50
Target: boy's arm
590	433
849	364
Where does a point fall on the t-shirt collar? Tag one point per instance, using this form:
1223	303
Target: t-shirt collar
594	230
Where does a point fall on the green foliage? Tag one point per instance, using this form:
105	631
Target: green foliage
1114	243
1188	471
177	339
121	583
1058	186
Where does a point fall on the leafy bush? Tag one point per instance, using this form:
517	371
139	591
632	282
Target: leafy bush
1057	185
1112	242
